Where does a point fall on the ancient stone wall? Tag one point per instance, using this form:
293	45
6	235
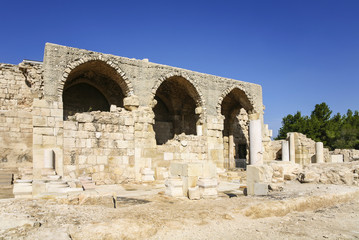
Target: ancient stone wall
18	86
305	150
273	150
111	117
100	145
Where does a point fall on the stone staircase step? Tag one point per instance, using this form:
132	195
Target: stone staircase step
88	186
5	182
46	172
87	183
53	177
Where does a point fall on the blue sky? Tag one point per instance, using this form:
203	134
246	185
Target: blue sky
302	52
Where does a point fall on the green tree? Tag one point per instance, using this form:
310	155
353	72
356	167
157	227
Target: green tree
335	132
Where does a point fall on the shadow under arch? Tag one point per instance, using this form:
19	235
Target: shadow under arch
92	86
175	109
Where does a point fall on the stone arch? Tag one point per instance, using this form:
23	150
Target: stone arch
89	83
198	95
178	107
235	105
249	105
125	85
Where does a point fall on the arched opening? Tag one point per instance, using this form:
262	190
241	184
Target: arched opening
235	108
92	86
174	112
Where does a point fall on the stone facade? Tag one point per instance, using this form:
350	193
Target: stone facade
110	117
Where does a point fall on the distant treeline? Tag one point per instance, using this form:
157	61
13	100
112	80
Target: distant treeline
338	131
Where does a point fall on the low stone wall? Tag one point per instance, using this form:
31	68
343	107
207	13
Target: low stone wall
272	150
183	148
100	145
348	154
331	173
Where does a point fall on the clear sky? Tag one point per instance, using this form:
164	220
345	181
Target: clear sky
302	52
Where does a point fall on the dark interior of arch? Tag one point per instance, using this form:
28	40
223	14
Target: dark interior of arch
235	107
175	109
83	97
90	87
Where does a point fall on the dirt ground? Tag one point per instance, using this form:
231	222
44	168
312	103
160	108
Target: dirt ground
300	211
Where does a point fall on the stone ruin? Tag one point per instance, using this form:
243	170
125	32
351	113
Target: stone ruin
92	118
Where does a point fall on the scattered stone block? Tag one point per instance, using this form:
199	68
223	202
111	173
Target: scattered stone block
194	193
308	177
337	158
208	187
174	187
260	189
258	174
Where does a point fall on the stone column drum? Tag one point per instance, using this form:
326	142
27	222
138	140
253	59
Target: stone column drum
319	152
255	140
49	160
285	151
291	148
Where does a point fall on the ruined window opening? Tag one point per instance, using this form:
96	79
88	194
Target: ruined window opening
235	107
175	109
92	86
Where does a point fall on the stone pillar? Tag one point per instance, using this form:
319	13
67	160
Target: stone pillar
319	152
231	151
255	140
285	151
291	148
49	160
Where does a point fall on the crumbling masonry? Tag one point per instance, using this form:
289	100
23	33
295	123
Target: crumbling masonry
91	114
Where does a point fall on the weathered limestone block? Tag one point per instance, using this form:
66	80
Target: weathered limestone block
131	103
192	169
308	176
209	170
194	193
258	174
174	187
49	159
338	158
176	169
38	187
188	182
84	117
161	173
260	189
147	175
208	187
